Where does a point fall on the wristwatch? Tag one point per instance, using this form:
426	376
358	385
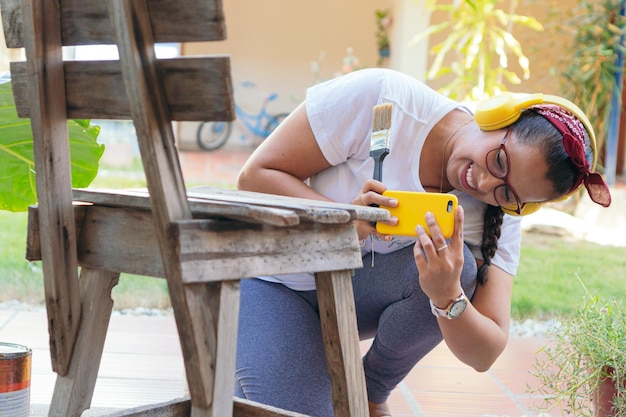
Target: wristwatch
453	310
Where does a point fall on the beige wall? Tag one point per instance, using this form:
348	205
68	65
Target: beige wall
272	42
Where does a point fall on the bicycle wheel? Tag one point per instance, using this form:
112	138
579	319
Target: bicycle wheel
213	135
273	123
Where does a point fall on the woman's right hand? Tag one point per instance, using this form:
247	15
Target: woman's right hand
371	195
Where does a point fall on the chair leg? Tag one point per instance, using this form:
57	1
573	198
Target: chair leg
341	341
206	316
74	391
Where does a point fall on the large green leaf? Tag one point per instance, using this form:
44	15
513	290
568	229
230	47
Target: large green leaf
17	166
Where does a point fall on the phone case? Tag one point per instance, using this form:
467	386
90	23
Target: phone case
412	208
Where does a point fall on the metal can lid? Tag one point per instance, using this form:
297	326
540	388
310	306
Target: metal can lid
12	351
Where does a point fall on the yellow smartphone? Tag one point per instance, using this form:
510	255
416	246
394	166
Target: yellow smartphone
412	208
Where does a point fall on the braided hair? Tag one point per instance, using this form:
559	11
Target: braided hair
532	129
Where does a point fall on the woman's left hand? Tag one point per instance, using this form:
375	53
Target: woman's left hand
439	262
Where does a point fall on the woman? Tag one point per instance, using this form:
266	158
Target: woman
403	298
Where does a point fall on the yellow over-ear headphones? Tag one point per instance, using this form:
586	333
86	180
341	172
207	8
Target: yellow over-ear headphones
503	110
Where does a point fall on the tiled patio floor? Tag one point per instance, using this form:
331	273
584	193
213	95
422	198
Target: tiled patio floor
142	365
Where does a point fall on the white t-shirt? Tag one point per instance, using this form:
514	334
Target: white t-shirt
340	114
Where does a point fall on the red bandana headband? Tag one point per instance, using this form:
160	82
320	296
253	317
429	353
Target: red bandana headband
573	133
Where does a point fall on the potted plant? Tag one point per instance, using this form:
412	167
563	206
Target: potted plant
596	29
583	370
383	23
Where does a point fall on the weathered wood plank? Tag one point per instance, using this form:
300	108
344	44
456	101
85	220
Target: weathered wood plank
326	209
124	240
214	309
54	189
120	240
210	251
85	22
200	208
246	408
341	341
308	210
74	391
182	408
196	325
196	89
175	408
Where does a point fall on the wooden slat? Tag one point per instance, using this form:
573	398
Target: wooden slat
196	88
237	252
174	408
124	240
341	342
307	210
86	22
200	208
196	325
246	408
321	211
182	408
52	163
214	311
120	240
74	391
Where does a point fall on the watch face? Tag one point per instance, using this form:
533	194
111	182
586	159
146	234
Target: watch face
457	308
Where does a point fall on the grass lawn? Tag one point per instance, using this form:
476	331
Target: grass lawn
552	269
23	280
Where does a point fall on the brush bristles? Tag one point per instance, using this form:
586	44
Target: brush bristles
381	118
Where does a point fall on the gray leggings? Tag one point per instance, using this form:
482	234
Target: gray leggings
280	352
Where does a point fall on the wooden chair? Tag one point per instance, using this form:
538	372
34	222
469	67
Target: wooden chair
203	242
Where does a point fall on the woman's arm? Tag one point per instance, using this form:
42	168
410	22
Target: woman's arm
285	159
480	334
289	156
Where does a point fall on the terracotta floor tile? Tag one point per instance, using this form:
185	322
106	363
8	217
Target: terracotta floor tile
442	379
517	382
455	404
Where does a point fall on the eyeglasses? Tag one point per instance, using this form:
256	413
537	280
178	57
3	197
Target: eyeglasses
498	165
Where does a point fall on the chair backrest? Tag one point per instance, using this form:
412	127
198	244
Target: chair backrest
139	86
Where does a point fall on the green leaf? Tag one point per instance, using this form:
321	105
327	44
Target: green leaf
17	166
429	31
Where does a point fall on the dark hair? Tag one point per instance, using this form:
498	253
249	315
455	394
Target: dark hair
491	233
533	129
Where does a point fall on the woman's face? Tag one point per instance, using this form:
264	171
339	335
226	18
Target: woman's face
496	169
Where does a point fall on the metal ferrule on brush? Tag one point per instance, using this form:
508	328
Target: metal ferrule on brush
380	140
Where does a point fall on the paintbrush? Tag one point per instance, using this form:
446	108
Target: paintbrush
379	141
379	144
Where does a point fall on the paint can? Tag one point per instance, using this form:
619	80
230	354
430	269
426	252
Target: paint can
15	365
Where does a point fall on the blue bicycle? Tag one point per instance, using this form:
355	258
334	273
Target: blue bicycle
213	135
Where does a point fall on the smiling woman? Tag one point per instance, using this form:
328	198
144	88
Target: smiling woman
422	288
